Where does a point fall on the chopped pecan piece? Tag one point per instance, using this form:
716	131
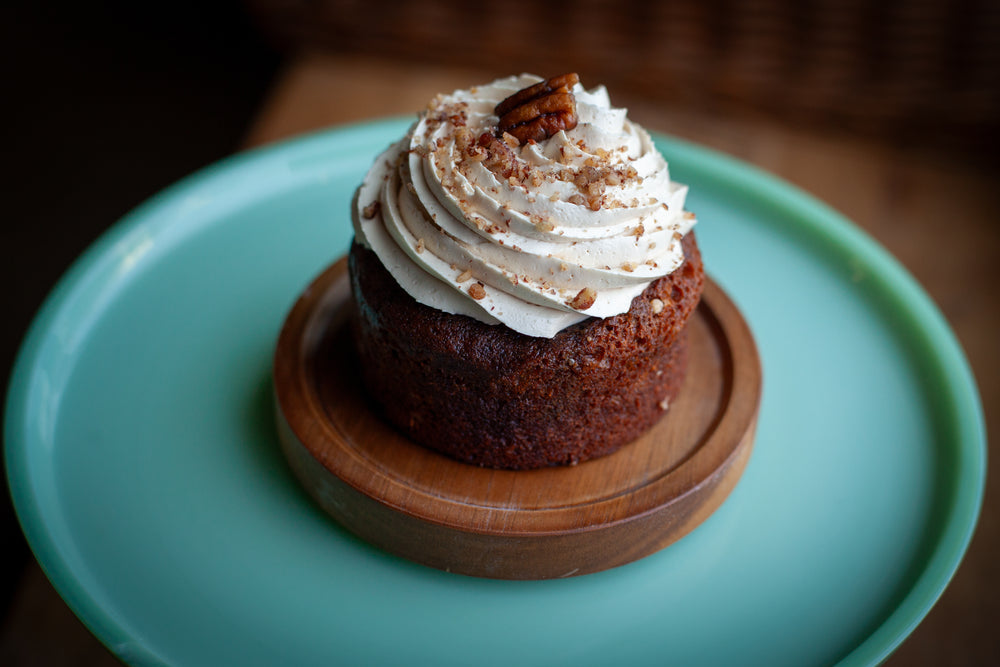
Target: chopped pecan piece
501	159
537	112
476	291
583	300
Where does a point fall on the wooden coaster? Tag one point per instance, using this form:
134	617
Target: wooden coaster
536	524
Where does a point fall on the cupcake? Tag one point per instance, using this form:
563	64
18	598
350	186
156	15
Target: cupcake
522	273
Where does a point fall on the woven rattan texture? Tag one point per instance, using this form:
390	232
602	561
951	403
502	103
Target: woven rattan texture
908	69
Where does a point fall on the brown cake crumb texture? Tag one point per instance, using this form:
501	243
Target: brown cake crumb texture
489	396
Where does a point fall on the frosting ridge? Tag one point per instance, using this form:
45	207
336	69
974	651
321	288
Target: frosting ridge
535	236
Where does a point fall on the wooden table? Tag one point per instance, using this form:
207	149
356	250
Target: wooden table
937	213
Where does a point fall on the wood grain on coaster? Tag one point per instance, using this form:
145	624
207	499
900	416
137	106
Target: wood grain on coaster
535	524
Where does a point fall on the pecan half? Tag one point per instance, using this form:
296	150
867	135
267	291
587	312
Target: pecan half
537	112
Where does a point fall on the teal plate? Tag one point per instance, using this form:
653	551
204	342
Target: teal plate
145	469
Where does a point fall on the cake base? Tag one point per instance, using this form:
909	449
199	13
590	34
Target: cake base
535	524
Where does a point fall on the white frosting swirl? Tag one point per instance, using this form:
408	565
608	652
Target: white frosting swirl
536	237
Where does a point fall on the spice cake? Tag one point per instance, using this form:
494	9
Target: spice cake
522	273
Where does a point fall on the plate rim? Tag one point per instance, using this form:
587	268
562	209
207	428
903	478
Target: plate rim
961	404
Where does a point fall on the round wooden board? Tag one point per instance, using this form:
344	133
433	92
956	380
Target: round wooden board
537	524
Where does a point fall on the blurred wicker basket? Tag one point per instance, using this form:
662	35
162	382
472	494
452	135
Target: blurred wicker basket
928	70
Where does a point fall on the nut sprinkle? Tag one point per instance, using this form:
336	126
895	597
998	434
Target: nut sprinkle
537	203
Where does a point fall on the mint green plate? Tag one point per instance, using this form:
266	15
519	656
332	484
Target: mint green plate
145	468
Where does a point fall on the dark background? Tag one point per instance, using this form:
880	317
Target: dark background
105	104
